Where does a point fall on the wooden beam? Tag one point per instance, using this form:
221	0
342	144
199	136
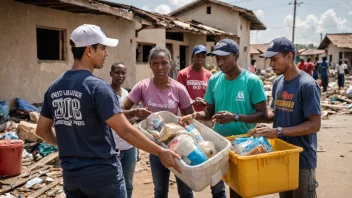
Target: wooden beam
44	189
101	7
44	161
22	181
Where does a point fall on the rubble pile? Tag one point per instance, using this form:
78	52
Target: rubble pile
41	174
334	101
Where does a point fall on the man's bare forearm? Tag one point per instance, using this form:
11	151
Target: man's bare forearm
306	128
47	135
45	131
256	117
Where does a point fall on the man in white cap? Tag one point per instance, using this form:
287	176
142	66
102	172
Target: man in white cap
82	108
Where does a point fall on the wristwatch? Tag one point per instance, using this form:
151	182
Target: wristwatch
279	133
237	117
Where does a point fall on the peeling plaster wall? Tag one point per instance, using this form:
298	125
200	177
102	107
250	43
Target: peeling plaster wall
23	75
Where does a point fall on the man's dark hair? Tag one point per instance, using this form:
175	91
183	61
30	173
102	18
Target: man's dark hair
113	66
308	60
324	58
293	55
253	61
78	51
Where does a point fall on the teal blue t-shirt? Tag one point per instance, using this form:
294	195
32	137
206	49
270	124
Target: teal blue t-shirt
235	96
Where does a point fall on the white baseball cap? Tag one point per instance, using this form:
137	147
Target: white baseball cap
87	34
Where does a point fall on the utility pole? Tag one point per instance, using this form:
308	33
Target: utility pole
294	18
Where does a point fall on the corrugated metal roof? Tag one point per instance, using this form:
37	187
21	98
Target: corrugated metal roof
151	20
256	24
312	52
343	40
170	22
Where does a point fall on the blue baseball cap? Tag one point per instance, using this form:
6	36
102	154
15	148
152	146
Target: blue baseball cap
278	45
224	48
199	48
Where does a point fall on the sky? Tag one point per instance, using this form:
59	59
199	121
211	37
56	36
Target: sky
314	17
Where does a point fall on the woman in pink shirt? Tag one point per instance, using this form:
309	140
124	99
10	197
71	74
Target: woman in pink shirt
160	93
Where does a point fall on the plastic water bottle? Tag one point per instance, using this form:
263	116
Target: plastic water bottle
189	151
194	133
34	181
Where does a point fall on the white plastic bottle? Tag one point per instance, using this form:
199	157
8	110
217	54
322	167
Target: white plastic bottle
189	150
194	133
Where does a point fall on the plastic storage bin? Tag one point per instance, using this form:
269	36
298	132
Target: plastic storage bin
267	173
208	173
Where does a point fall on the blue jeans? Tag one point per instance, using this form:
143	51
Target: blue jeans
128	160
161	176
218	190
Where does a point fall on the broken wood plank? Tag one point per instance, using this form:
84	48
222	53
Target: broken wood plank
20	182
333	106
344	100
43	161
12	180
44	189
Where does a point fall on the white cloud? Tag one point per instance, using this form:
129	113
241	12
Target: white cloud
350	13
260	14
163	9
180	3
145	7
307	30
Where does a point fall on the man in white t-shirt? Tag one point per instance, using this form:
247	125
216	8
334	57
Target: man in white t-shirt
127	153
340	69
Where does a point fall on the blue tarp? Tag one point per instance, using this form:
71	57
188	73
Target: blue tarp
24	105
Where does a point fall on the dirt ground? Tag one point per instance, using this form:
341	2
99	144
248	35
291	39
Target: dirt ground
334	172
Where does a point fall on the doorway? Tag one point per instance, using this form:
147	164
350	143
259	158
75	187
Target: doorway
182	57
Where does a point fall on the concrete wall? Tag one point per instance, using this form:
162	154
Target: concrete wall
261	62
334	51
219	18
151	36
244	43
23	75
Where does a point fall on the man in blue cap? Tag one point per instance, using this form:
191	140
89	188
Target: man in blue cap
195	77
297	114
235	99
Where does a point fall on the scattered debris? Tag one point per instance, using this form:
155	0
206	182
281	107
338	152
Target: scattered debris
44	189
148	181
33	181
27	131
342	156
321	149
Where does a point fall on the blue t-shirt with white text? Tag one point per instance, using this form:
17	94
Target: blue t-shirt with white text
79	104
293	101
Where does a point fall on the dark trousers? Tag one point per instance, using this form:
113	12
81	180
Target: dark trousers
325	82
341	80
307	186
